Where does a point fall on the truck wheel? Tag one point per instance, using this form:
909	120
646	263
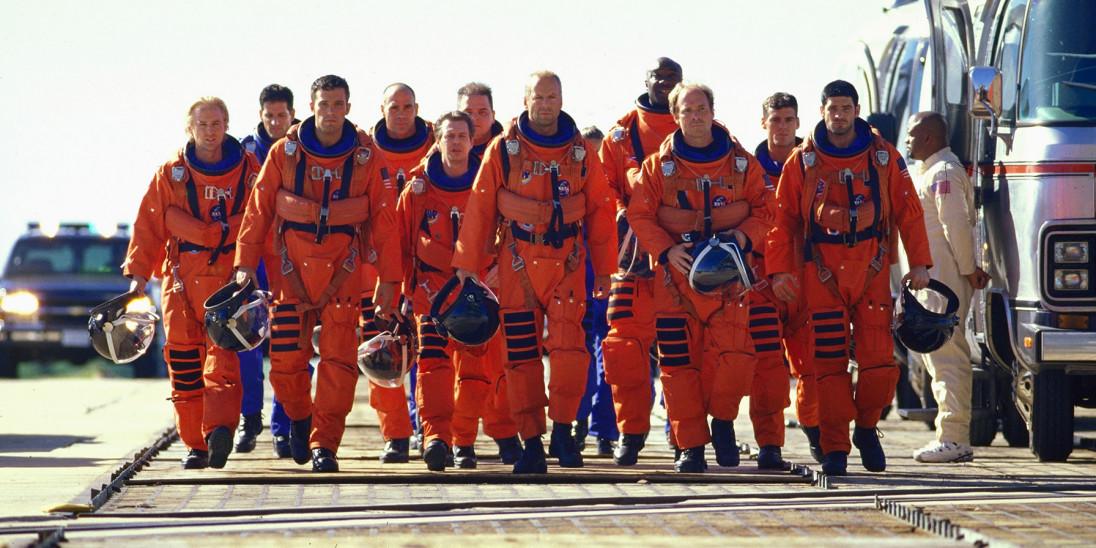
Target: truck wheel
1051	416
1013	427
9	366
983	413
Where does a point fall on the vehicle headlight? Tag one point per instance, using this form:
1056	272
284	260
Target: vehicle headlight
1070	279
1071	252
20	302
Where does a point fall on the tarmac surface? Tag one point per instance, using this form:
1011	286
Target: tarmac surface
61	440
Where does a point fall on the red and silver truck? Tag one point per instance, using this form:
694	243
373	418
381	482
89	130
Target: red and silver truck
1016	80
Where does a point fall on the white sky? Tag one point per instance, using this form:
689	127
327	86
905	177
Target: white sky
95	92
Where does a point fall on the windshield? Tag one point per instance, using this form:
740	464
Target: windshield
1058	80
46	256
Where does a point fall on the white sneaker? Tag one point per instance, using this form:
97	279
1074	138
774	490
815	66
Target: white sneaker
944	451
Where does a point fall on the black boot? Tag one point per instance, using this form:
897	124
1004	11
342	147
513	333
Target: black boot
324	460
509	449
465	457
582	428
195	459
249	429
220	445
871	452
396	451
691	461
835	463
814	440
532	458
435	455
604	447
726	450
769	458
299	431
281	447
563	445
627	453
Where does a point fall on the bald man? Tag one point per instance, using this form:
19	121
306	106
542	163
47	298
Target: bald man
541	187
948	200
404	138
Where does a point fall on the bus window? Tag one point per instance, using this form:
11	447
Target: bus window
1007	55
1058	64
955	60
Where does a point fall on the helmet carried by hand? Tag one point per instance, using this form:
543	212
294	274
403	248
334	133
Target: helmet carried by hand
122	329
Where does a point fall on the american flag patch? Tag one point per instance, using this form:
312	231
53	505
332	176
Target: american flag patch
941	187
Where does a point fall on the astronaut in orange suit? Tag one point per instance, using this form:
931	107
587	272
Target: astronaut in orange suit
626	348
405	139
542	187
699	184
843	192
481	383
430	213
326	190
186	228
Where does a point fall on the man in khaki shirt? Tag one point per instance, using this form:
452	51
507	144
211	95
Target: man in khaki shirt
947	197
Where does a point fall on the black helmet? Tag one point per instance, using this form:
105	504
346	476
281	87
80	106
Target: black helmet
383	359
472	319
237	317
122	328
718	262
630	258
923	330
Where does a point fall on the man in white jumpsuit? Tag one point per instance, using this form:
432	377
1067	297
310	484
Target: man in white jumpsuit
947	197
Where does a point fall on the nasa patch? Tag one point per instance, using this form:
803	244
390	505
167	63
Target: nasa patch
858	200
217	213
431	216
362	156
526	226
564	188
818	188
719	201
526	176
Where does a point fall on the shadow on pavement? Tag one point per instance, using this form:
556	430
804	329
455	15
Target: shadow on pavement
39	443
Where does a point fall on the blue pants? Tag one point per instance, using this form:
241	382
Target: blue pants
597	402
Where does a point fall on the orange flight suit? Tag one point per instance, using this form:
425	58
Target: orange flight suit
841	280
430	213
626	348
794	339
179	233
542	193
402	156
705	349
319	200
